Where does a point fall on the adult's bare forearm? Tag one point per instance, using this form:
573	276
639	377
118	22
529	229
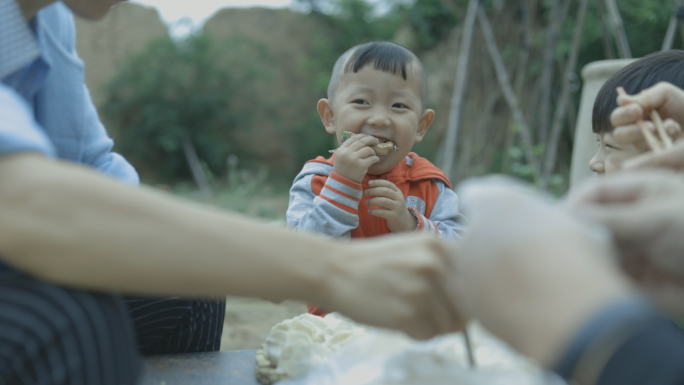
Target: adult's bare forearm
69	225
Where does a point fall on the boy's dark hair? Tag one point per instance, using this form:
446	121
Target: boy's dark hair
384	56
663	66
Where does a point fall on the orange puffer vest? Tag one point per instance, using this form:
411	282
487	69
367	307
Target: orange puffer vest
415	181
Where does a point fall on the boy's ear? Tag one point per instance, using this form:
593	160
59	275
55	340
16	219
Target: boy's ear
424	124
325	111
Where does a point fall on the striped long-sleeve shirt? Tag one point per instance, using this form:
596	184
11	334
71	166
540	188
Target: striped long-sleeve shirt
326	203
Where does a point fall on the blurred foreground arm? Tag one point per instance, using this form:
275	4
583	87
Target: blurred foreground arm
72	226
547	283
644	211
528	271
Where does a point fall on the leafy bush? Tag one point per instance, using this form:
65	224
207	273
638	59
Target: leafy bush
175	95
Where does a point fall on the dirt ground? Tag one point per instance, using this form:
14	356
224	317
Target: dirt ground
248	321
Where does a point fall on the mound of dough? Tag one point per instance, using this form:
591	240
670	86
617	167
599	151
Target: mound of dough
295	346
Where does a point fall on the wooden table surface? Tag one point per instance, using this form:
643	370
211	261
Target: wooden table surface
221	368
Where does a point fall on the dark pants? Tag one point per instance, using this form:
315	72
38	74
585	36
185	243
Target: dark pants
52	335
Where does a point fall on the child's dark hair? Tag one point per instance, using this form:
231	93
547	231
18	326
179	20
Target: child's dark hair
663	66
384	56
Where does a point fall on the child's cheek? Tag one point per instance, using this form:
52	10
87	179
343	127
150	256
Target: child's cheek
610	168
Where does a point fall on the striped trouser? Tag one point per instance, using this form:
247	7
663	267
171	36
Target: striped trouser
52	335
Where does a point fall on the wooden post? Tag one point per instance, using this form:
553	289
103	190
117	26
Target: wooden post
607	41
195	165
572	115
509	94
460	82
619	29
558	15
521	72
559	116
525	16
671	28
680	20
547	71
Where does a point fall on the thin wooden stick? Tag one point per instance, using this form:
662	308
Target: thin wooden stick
195	165
651	140
660	128
469	349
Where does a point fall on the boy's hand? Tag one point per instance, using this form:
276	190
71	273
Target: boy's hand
355	156
393	205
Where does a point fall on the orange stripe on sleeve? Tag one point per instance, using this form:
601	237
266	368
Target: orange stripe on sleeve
339	178
342	193
340	205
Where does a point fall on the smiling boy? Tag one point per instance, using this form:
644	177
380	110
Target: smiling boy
377	92
663	66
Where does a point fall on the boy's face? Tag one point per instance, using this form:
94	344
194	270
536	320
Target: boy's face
611	155
382	105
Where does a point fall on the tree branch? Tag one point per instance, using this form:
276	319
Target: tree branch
509	94
559	116
619	29
460	82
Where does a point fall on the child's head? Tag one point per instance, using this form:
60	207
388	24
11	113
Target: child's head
380	89
664	66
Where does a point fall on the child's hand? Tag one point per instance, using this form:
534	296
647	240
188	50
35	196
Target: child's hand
355	156
393	206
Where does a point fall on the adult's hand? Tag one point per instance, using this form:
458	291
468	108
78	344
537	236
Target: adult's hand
395	282
666	98
672	158
645	212
530	272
